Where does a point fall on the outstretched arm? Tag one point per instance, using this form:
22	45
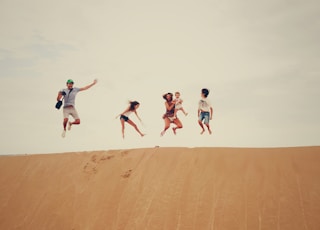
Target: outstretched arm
137	115
89	86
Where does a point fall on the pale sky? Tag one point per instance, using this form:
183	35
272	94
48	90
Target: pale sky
260	60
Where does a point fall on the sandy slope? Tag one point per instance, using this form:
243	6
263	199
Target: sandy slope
163	188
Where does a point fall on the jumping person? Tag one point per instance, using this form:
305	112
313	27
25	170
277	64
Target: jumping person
124	117
204	110
169	117
69	96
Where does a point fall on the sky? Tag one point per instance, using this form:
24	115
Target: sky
260	60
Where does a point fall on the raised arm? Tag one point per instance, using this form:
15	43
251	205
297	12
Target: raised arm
89	86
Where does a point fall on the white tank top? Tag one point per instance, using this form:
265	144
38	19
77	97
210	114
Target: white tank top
127	114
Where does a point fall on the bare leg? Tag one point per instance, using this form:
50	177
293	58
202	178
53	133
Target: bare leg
65	122
122	127
135	127
75	122
166	126
184	112
178	124
201	125
208	126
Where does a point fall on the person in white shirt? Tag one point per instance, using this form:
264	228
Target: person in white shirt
178	104
205	110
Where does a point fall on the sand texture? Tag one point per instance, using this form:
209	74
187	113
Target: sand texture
163	188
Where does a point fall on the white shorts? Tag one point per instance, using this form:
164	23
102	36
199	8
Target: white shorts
178	106
70	111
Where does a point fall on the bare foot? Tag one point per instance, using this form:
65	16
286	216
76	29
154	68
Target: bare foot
186	114
174	131
142	134
202	132
63	133
209	131
162	133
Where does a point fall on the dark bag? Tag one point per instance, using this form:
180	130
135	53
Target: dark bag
58	104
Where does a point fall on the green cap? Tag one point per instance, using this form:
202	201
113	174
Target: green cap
70	81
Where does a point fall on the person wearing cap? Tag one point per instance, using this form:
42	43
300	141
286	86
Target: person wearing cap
68	96
169	117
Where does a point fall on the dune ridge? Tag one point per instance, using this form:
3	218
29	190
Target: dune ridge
163	188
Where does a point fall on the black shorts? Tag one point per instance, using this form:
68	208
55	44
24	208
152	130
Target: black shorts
125	118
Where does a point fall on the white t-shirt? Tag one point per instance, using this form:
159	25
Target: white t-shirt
204	105
178	104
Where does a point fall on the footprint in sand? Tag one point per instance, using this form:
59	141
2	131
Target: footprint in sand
127	174
124	153
107	157
94	158
90	168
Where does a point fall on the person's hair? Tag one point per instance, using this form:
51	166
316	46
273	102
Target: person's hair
205	92
165	96
177	93
133	105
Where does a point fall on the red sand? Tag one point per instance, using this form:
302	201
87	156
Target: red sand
163	188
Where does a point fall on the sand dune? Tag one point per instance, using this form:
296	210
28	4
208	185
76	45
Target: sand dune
163	188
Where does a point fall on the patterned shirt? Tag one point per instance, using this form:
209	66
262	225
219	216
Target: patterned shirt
204	105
